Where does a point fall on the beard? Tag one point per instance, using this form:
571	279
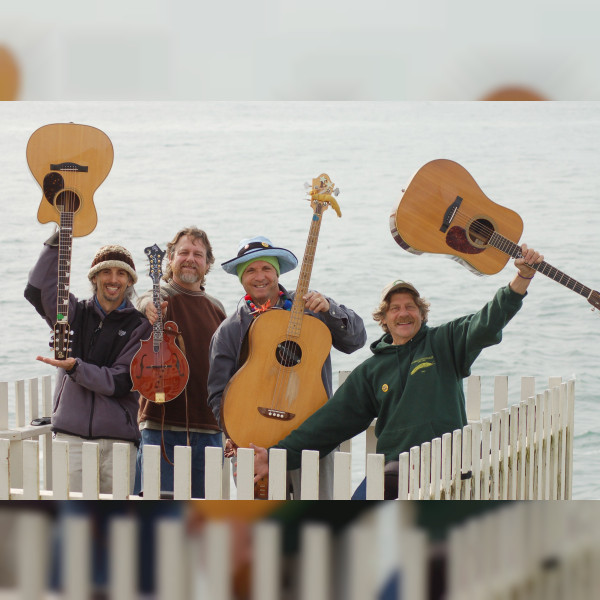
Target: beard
187	276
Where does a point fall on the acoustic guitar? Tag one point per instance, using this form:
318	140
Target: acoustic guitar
444	211
159	370
69	162
279	386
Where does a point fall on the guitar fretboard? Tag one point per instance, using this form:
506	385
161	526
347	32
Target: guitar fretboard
65	244
157	328
508	247
297	310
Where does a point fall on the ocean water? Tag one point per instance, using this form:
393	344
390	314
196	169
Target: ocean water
238	170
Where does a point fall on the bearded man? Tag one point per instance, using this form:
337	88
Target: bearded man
186	420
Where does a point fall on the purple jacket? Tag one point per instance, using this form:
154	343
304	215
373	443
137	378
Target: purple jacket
95	399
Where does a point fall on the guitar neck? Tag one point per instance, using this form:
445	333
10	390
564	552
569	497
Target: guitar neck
508	247
157	328
297	310
65	245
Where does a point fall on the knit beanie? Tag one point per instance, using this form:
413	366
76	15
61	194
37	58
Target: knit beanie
112	256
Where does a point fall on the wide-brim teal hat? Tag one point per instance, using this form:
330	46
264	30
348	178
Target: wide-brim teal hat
257	247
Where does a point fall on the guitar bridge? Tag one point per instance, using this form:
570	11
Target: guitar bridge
450	214
271	413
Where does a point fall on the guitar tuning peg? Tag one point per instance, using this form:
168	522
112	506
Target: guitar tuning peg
336	192
307	186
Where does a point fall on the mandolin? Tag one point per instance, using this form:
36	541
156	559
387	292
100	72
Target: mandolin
159	370
444	211
69	162
279	386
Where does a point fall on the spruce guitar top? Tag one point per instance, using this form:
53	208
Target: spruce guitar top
443	211
69	162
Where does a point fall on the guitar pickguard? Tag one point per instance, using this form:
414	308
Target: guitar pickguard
456	238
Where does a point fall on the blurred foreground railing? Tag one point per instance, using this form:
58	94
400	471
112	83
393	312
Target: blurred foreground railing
521	550
522	451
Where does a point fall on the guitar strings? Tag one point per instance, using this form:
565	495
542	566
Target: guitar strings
296	316
514	250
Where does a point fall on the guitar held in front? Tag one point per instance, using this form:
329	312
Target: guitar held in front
444	211
280	386
69	162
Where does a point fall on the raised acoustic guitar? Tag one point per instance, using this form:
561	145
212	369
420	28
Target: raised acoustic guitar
159	370
279	386
443	211
69	162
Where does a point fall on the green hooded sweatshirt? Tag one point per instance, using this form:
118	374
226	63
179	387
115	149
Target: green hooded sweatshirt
414	390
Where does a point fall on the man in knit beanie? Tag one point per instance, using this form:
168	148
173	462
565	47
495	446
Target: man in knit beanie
93	400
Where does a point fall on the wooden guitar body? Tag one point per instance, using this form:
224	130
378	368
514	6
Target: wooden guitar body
444	211
69	162
160	372
272	393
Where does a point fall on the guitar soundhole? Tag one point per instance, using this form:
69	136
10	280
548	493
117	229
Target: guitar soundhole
480	232
288	353
67	200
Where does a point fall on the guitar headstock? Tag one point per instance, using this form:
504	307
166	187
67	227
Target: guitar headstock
61	340
155	257
594	299
321	194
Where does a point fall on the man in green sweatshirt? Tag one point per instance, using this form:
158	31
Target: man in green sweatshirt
412	384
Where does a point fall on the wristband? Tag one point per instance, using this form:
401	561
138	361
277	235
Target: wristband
521	276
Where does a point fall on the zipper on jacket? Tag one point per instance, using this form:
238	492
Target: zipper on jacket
95	334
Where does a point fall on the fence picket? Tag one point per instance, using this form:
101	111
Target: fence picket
31	470
425	493
151	472
182	476
467	463
342	476
245	474
485	458
90	467
4	470
375	480
521	485
476	461
447	466
309	476
495	457
121	471
277	474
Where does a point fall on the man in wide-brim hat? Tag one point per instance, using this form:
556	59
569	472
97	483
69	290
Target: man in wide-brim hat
258	265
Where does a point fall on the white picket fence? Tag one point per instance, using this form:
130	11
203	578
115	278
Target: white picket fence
524	451
547	550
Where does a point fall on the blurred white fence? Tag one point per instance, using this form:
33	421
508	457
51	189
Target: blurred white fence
547	550
522	451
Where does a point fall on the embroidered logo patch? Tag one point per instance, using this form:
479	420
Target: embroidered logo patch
121	332
422	363
384	387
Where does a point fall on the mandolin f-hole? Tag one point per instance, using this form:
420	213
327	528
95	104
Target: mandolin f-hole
288	353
